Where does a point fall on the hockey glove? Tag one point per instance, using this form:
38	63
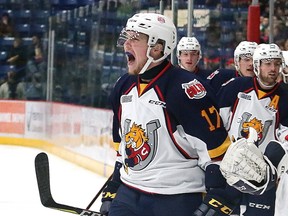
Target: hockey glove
109	192
108	195
215	205
221	199
246	168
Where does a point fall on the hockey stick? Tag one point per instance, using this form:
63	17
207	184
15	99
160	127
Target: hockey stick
43	181
99	192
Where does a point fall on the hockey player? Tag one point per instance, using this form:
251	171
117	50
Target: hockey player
261	103
243	65
189	54
166	130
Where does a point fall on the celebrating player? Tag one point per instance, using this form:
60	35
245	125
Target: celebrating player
166	130
189	54
261	103
243	65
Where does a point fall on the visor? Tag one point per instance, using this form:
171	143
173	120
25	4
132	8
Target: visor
126	35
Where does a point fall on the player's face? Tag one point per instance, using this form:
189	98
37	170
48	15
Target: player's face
269	71
135	48
246	66
189	59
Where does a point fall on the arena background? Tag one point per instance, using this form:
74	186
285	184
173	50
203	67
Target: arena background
73	119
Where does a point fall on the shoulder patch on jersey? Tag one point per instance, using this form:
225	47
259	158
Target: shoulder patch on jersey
244	96
212	75
126	98
194	89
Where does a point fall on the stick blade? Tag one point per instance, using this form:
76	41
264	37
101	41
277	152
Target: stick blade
43	178
43	181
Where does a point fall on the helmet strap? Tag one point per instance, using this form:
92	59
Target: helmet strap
265	86
150	60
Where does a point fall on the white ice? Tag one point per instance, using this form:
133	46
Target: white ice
70	184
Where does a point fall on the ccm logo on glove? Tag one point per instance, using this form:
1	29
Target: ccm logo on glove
219	205
106	195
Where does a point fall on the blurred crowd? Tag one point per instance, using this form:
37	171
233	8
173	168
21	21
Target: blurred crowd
28	61
25	76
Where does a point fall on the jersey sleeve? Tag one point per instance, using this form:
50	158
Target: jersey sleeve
115	97
217	78
226	97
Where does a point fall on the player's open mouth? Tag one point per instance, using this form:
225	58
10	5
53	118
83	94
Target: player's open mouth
130	57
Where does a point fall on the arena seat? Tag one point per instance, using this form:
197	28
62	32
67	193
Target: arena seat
84	2
6	43
23	29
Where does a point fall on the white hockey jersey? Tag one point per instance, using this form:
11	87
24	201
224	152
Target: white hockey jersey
168	131
243	104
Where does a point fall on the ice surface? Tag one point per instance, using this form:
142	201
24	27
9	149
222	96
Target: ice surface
70	184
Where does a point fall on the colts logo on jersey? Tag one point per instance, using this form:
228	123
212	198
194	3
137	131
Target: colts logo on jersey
140	148
194	89
255	123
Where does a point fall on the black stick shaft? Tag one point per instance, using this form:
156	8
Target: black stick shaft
99	192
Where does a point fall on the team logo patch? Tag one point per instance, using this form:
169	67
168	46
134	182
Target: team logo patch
194	89
247	121
161	19
139	145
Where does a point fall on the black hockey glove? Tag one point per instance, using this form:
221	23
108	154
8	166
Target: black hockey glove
108	195
109	192
221	199
218	203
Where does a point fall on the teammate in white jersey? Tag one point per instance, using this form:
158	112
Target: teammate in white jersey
261	103
167	132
